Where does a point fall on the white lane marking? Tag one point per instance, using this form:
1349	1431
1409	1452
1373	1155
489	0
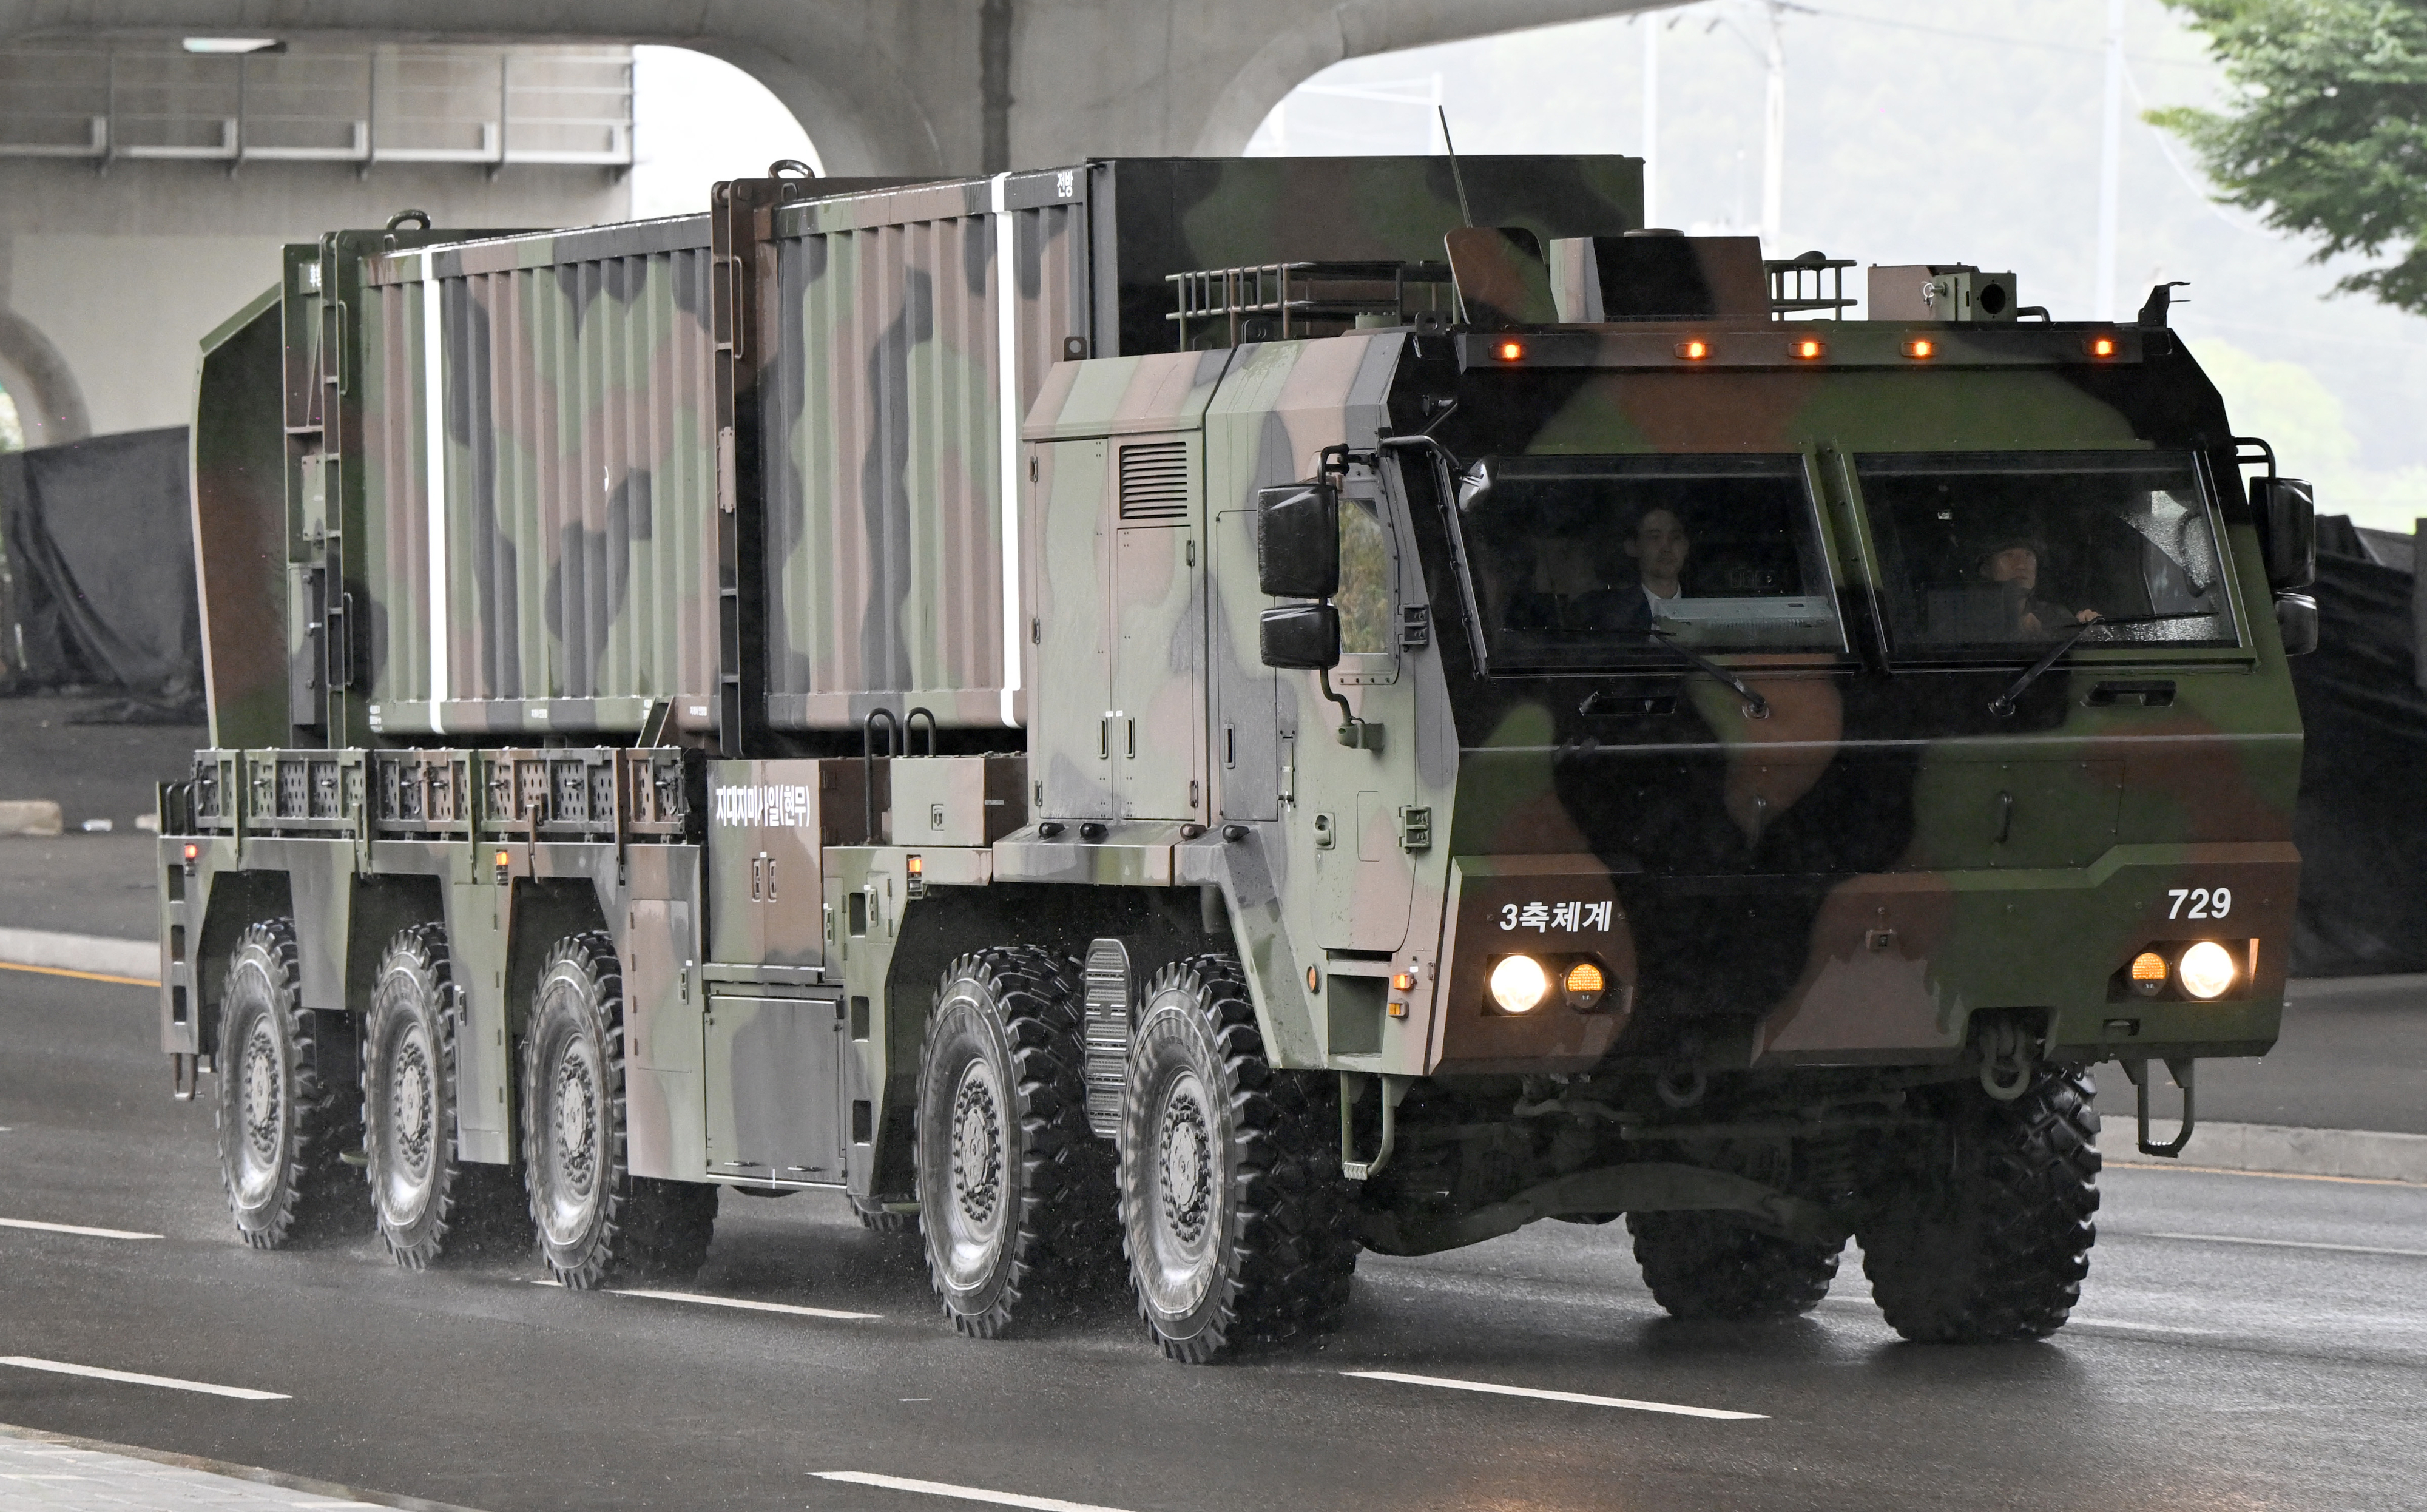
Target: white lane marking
2139	1327
72	1229
2292	1243
959	1493
60	1367
749	1307
725	1302
1493	1389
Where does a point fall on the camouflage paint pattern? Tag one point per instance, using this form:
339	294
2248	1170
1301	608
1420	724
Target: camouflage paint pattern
579	462
910	327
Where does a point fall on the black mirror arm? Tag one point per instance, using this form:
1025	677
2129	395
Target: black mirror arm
1755	705
1424	443
1353	733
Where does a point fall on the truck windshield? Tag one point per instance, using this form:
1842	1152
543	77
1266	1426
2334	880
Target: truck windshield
2000	554
1584	562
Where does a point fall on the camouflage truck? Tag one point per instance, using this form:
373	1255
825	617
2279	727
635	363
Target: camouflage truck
1221	714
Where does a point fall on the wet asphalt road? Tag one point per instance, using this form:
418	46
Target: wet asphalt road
2201	1374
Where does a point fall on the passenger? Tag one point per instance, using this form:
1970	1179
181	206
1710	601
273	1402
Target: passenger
2011	563
1658	547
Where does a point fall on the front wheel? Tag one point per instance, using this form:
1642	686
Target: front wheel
1714	1265
1236	1219
596	1221
1987	1237
286	1110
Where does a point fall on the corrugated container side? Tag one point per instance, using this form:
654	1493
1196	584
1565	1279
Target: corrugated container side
395	548
886	417
580	481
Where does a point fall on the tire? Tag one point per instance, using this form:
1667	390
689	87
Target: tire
1712	1265
879	1221
1015	1191
423	1193
596	1221
285	1127
1236	1220
1990	1239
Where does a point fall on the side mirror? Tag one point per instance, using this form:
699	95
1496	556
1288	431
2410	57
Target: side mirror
2287	530
2296	620
1302	637
1298	544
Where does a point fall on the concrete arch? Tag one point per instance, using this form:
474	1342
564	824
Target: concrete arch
1359	28
50	404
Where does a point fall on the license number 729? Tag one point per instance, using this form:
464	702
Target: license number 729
2200	902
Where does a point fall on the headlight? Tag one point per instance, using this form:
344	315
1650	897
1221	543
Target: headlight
2206	970
1519	983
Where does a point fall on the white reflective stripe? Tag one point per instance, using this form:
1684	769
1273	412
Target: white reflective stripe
433	404
1006	377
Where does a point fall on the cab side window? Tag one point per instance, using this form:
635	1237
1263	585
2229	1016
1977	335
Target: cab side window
1365	596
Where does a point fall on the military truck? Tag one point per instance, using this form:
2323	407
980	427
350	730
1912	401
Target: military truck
1208	716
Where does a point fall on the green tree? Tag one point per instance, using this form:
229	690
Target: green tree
2326	136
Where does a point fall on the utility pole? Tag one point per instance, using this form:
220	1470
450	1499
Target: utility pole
1651	119
1773	145
2110	147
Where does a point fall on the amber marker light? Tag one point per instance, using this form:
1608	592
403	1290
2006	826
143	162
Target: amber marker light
917	865
2148	973
1512	352
1693	351
192	851
1921	346
1806	350
1404	982
2101	345
503	860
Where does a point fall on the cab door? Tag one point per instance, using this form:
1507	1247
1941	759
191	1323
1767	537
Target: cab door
1358	807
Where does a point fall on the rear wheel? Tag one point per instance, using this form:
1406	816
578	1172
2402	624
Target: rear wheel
1237	1221
1989	1237
1015	1193
287	1114
423	1193
1713	1265
596	1221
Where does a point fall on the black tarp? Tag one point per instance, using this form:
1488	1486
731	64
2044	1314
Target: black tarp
99	540
2362	822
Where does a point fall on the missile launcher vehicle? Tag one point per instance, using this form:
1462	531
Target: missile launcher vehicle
1209	716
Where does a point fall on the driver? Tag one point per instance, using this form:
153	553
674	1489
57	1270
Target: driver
2011	564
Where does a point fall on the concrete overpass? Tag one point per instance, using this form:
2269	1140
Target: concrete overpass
107	280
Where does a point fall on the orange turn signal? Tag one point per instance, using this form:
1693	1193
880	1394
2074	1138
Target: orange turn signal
504	859
915	864
1585	978
1921	346
1693	351
193	851
1806	350
2148	967
2101	345
1404	982
1512	352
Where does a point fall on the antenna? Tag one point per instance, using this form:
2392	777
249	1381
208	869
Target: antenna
1465	212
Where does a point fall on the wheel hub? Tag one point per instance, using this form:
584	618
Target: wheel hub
977	1152
263	1095
1187	1165
412	1105
577	1124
